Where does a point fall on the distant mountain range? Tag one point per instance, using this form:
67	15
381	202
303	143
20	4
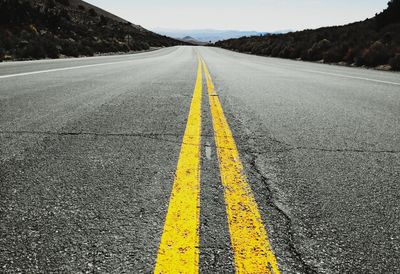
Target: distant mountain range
207	35
36	29
191	40
374	42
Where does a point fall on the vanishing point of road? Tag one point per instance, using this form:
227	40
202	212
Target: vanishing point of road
195	159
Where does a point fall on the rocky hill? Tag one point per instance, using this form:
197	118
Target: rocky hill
373	43
35	29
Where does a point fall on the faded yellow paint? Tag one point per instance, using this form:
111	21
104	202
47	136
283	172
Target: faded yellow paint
252	251
179	248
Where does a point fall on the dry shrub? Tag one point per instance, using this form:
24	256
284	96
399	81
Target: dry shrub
395	62
377	54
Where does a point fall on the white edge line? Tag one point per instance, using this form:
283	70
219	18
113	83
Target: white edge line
119	62
314	71
353	77
61	69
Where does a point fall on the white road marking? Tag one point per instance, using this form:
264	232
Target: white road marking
208	151
352	77
62	69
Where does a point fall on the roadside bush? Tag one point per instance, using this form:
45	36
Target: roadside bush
85	50
350	55
102	47
34	50
50	48
87	41
63	2
315	53
395	62
333	55
141	46
69	49
50	4
103	20
276	50
377	54
64	14
146	46
2	54
124	48
92	13
323	44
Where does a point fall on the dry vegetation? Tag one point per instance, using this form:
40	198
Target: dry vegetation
373	42
53	28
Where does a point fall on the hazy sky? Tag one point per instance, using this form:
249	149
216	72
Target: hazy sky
260	15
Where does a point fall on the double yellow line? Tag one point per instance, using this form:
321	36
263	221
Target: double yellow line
179	247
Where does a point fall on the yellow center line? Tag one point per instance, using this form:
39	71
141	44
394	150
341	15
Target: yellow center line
252	251
179	247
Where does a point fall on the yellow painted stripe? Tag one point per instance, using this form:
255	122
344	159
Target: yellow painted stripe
252	251
179	248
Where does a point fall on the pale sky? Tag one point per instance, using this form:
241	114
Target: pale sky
259	15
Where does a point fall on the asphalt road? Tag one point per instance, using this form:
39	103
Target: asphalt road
89	150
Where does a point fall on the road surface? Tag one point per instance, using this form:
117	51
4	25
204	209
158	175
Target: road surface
95	154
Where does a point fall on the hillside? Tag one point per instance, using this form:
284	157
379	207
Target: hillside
373	42
35	29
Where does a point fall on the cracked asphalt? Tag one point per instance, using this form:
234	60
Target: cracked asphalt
88	157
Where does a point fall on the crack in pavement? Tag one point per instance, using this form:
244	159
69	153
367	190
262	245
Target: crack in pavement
83	133
344	150
150	135
158	136
293	147
290	242
253	155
